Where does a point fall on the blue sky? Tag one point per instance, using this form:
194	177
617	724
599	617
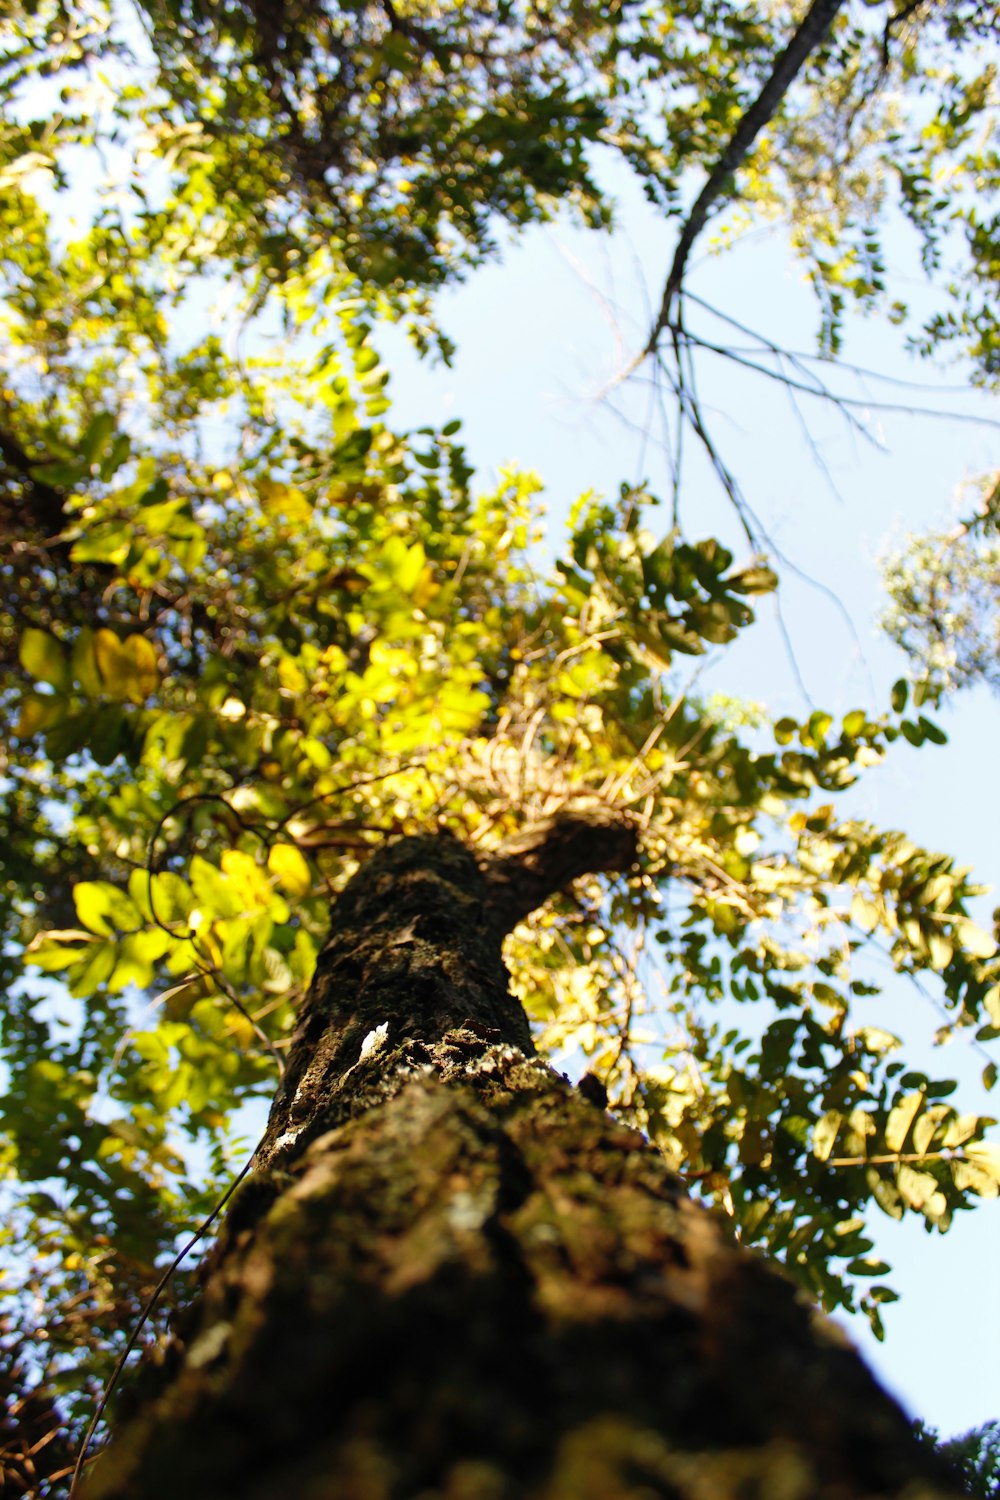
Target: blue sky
539	338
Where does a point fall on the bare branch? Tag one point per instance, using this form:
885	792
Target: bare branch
789	63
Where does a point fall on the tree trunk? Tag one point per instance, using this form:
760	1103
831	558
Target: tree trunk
452	1277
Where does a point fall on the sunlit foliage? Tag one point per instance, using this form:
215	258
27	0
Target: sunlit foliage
249	630
944	592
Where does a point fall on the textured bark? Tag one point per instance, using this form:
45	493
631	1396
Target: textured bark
453	1278
415	952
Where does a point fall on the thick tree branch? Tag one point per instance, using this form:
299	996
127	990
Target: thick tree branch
414	954
545	857
815	26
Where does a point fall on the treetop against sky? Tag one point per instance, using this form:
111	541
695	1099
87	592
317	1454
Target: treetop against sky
250	631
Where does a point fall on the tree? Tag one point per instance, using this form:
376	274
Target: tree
260	649
974	1454
943	612
472	1281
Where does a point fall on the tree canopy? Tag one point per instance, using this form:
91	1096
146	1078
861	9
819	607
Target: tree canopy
250	630
943	602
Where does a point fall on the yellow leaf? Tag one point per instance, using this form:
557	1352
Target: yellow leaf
969	1178
284	500
110	663
59	935
180	999
240	1028
974	940
825	1133
143	671
127	669
901	1117
291	675
37	714
864	912
916	1187
876	1039
986	1154
427	587
248	878
290	869
991	1001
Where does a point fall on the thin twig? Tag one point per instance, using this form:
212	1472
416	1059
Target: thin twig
147	1310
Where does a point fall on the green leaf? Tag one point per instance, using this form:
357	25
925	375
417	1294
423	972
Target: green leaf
104	909
755	580
868	1266
136	959
64	475
97	437
932	732
899	695
163	898
89	976
712	622
819	725
43	658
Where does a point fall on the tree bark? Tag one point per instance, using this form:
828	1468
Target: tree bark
453	1278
